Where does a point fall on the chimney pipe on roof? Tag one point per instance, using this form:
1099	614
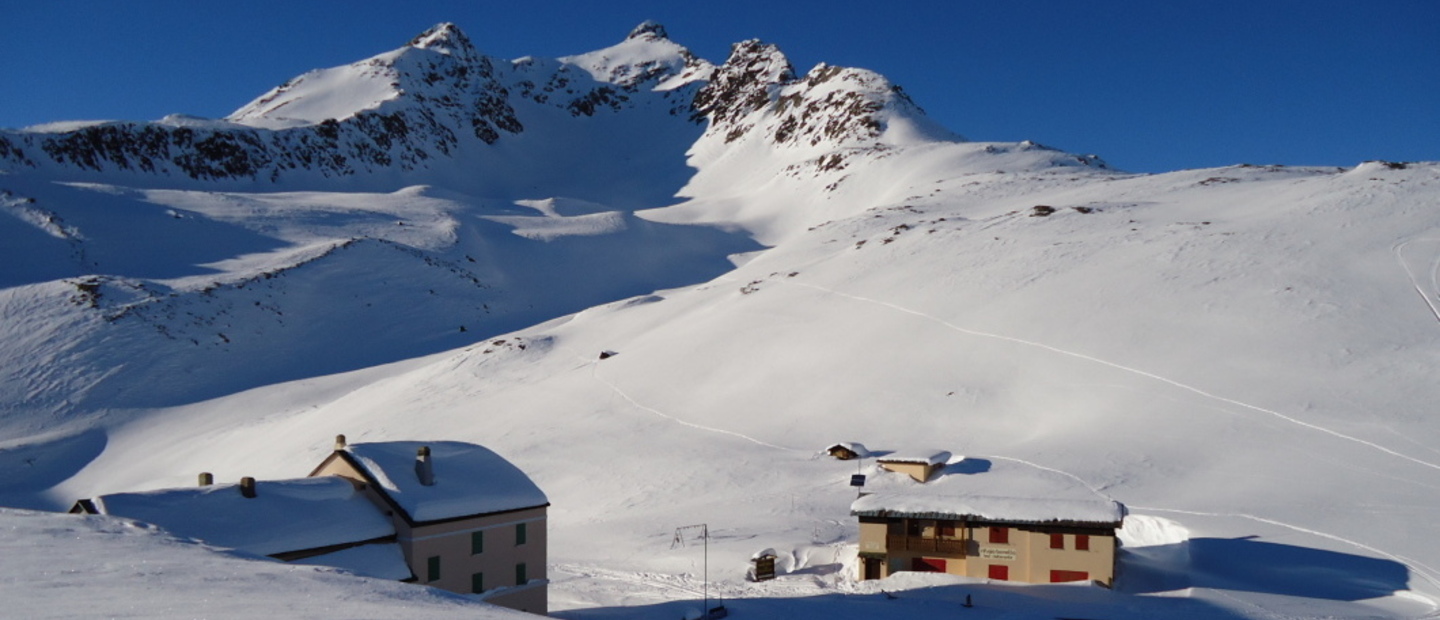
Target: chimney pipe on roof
339	442
247	487
206	479
424	469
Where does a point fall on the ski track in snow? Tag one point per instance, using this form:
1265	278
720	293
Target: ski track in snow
595	372
1434	275
1136	371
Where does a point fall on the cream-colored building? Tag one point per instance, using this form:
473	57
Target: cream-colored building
956	524
446	514
466	519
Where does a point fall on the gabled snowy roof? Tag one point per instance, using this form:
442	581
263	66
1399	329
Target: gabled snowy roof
923	457
284	515
853	446
984	490
469	479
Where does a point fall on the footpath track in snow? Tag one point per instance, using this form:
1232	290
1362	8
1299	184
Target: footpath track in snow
1136	371
1434	293
595	372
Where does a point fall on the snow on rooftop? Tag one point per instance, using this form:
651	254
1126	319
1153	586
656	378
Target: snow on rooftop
853	446
380	560
285	515
923	457
992	490
469	479
1019	509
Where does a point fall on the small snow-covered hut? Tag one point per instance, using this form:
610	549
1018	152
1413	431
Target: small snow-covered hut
918	465
847	450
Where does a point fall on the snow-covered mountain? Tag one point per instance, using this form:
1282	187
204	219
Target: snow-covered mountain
437	243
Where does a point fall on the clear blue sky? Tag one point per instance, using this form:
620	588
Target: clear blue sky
1149	85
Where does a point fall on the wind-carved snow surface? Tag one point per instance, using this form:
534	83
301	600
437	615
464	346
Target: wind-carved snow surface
771	262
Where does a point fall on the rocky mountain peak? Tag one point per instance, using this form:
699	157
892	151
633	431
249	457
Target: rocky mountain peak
744	83
648	30
446	38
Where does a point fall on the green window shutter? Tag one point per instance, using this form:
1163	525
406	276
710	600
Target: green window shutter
477	583
432	568
477	543
520	576
519	533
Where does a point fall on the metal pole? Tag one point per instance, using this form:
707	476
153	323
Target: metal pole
705	531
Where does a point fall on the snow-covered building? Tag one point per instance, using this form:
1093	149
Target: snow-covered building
447	514
918	465
1008	524
847	450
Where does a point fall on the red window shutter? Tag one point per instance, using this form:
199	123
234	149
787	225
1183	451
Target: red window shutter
1082	542
1000	572
1000	535
928	565
1057	541
1062	576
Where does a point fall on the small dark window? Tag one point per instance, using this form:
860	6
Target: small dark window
1057	541
947	529
519	533
1000	535
999	572
1082	542
477	583
477	543
520	577
432	568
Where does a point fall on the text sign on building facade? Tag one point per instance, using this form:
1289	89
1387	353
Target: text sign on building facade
997	553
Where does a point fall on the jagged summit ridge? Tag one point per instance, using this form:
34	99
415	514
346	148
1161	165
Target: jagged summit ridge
437	105
648	29
446	38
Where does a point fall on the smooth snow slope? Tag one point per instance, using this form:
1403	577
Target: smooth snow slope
133	570
1244	356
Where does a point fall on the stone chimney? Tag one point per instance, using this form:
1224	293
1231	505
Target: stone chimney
339	442
206	479
247	486
424	468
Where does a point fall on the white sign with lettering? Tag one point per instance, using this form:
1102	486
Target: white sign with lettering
997	553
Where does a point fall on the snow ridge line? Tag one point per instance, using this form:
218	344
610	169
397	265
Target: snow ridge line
1136	371
1427	574
594	373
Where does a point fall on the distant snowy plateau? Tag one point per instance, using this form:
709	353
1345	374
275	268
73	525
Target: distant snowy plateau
437	244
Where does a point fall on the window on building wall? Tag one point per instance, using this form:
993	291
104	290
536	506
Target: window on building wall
519	534
1057	541
947	529
432	568
999	572
1082	542
521	578
1065	576
1000	535
477	583
477	543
